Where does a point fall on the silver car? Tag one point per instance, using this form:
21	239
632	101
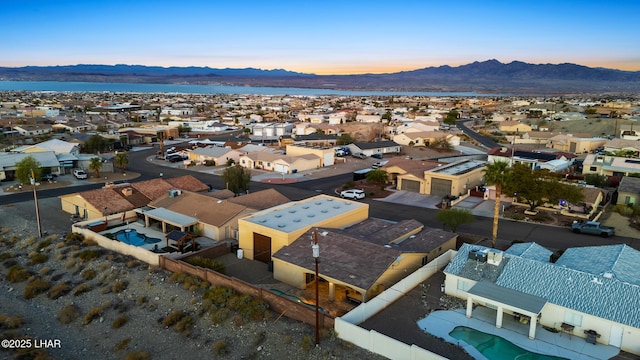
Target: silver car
354	194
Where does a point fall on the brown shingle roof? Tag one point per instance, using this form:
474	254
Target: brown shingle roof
188	182
156	188
107	198
260	200
206	209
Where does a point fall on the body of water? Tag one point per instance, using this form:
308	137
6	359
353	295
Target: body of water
61	86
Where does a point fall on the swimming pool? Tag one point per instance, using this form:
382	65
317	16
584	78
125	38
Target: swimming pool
494	347
132	237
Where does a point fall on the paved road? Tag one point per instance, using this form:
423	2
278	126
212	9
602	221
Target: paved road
484	140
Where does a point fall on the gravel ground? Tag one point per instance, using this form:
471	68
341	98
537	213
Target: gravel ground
123	306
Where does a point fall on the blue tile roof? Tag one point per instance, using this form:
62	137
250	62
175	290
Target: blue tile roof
582	289
620	260
530	250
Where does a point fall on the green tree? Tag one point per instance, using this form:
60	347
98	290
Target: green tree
183	129
237	178
27	167
596	180
451	117
96	165
540	186
441	143
498	174
95	144
377	176
121	160
344	139
454	217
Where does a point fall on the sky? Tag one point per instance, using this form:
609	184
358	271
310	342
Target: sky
320	37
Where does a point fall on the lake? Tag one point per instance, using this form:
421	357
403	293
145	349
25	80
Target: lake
60	86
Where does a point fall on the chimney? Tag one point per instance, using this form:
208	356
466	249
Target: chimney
127	191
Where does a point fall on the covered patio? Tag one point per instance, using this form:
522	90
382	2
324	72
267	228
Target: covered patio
526	308
168	218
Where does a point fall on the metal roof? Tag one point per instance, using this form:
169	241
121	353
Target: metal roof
172	217
520	300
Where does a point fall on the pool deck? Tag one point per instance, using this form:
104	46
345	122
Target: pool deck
441	323
153	233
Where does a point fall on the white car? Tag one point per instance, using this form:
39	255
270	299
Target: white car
353	194
80	174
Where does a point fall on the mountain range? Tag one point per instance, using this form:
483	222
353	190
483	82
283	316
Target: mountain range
489	76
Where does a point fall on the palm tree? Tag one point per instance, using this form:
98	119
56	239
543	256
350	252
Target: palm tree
96	165
121	160
497	174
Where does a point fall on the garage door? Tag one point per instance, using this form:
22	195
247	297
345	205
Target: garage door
279	168
410	185
261	248
440	187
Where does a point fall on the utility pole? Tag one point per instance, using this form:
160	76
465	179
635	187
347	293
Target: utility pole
35	199
316	254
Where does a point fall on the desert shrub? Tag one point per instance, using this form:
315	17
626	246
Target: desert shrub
141	300
74	238
81	289
35	287
10	322
207	263
119	321
43	244
88	274
177	277
59	290
70	263
68	314
89	254
218	295
5	256
138	355
172	318
220	315
37	258
248	306
89	242
184	325
307	343
17	274
118	286
122	344
94	313
238	321
45	270
220	347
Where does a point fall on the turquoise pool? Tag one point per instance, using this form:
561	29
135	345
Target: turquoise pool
496	348
132	237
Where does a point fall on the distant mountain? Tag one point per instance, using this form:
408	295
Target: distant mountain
489	76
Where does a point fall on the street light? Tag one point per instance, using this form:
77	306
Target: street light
315	249
35	199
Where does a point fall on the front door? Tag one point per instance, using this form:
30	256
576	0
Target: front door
615	339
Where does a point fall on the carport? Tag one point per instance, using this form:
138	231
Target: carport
168	217
526	307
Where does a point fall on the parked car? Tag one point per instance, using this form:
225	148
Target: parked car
49	177
359	155
80	174
593	228
354	194
377	156
378	164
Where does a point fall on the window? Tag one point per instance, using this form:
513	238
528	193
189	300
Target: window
593	168
463	285
425	260
573	318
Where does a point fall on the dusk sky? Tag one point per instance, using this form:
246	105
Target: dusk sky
321	37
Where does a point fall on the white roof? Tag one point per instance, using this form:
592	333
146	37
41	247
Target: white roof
46	159
55	145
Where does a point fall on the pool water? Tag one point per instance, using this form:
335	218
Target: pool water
494	347
132	237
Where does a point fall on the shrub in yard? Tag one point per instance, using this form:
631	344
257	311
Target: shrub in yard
119	321
141	300
10	322
43	244
172	318
184	325
94	313
17	274
307	343
70	263
81	289
88	274
138	355
88	254
68	314
207	263
35	287
74	238
118	286
218	295
220	315
37	258
220	347
59	290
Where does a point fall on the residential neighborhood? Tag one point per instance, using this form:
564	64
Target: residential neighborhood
560	164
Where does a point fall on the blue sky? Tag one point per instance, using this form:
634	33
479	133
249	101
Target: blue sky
322	37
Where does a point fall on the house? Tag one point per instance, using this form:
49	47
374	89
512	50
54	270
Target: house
216	154
32	129
610	165
575	144
379	147
530	284
629	191
48	162
217	219
533	159
514	127
416	126
98	203
325	153
424	138
622	146
408	174
259	200
364	259
265	232
279	163
58	147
